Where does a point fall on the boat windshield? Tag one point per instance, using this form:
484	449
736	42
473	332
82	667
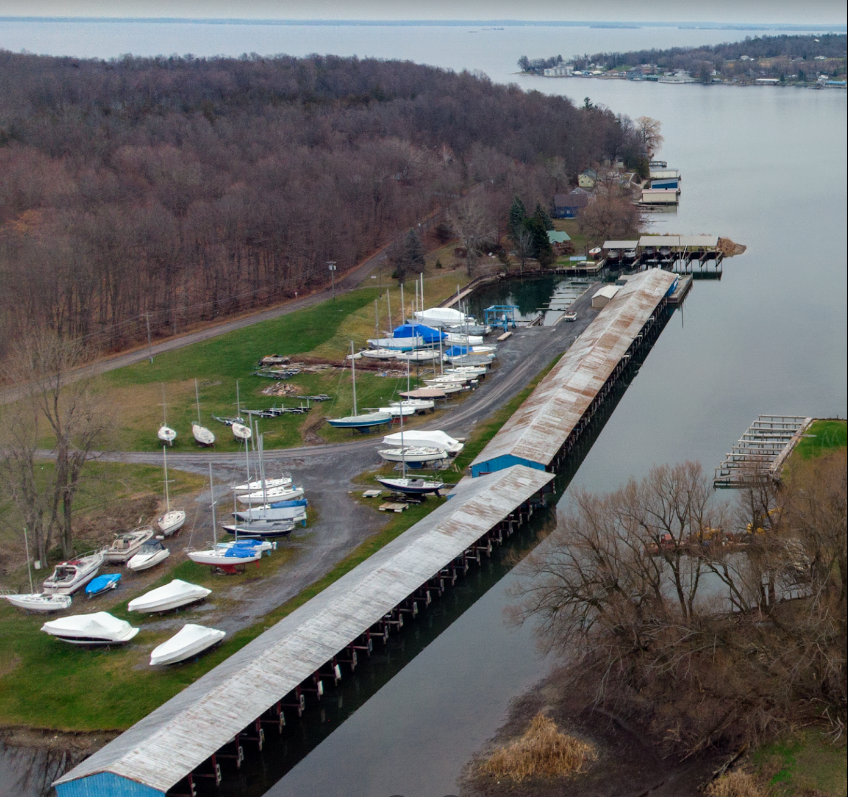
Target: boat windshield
151	546
64	573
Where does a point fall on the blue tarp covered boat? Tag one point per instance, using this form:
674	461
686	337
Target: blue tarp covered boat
427	334
102	584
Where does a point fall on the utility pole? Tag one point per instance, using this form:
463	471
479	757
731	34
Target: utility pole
149	346
332	266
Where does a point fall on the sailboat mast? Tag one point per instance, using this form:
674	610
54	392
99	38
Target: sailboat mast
167	493
389	306
262	470
29	564
238	400
214	519
164	410
197	399
353	377
422	291
377	318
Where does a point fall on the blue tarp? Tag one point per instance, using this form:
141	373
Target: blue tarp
457	351
427	334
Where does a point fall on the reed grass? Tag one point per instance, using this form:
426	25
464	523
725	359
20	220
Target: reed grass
736	784
542	752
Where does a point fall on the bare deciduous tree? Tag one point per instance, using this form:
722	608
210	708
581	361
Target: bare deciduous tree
57	407
649	132
474	226
609	217
711	625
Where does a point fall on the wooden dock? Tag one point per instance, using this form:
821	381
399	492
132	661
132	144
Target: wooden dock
762	451
684	285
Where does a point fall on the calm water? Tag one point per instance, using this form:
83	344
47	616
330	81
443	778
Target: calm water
765	167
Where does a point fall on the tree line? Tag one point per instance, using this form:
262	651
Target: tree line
164	191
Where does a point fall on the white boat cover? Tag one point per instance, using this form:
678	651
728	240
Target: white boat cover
413	454
97	627
171	596
420	437
251	487
443	315
188	641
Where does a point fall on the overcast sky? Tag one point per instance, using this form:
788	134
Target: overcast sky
771	11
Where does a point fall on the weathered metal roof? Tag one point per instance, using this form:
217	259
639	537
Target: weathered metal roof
699	241
608	290
174	739
664	174
620	245
659	240
542	424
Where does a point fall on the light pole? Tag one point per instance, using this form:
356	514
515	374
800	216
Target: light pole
331	265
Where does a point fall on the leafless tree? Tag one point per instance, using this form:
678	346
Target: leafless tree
609	217
55	407
523	246
712	625
649	132
474	226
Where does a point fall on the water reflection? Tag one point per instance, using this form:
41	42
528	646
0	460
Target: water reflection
30	771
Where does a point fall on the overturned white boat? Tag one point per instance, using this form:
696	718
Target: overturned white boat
187	642
69	576
268	484
413	454
241	432
172	596
100	628
420	437
267	496
127	545
40	602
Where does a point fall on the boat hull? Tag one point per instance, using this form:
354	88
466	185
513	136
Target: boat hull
85	567
171	522
190	641
39	602
222	559
413	454
270	496
145	561
412	486
171	596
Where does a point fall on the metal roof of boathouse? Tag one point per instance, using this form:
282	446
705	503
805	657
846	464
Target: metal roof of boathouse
160	750
538	429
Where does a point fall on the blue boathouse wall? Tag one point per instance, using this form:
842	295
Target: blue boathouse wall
106	784
501	463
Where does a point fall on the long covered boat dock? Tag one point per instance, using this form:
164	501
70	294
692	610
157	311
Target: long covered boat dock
185	740
547	425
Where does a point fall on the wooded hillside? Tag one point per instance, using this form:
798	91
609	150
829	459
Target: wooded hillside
188	188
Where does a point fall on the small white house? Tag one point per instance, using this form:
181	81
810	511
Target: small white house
561	70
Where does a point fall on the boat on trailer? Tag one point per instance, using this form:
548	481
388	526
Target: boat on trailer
127	545
190	640
97	586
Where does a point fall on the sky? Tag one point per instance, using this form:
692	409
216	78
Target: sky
734	11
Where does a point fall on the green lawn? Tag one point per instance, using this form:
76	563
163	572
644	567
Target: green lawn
821	438
804	763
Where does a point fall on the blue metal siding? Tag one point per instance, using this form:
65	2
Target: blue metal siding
501	463
105	784
673	287
667	183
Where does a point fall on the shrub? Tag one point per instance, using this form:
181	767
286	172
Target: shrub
736	784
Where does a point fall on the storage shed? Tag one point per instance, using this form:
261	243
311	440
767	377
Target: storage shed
604	296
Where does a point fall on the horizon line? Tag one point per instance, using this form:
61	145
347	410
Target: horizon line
437	22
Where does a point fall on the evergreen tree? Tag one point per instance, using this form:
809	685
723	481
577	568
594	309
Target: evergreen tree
540	247
407	256
542	214
517	217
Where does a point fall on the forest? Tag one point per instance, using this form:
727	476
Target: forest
175	190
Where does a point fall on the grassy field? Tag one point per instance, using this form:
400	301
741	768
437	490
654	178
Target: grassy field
805	763
821	438
320	333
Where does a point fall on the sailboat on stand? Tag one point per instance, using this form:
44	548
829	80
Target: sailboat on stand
356	421
410	485
203	436
173	519
166	434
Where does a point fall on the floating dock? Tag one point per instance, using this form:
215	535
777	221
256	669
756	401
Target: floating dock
548	424
184	741
762	451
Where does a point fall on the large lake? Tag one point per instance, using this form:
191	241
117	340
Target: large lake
763	166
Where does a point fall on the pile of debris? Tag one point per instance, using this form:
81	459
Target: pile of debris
281	390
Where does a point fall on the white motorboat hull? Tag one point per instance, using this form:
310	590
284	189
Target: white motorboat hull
413	454
412	486
202	435
166	435
39	602
397	411
189	641
171	522
100	628
127	545
270	496
172	596
145	561
423	439
86	569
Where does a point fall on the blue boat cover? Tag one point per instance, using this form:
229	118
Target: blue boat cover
102	583
457	351
427	334
240	551
283	504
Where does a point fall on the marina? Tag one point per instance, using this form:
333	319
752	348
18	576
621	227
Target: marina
285	669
